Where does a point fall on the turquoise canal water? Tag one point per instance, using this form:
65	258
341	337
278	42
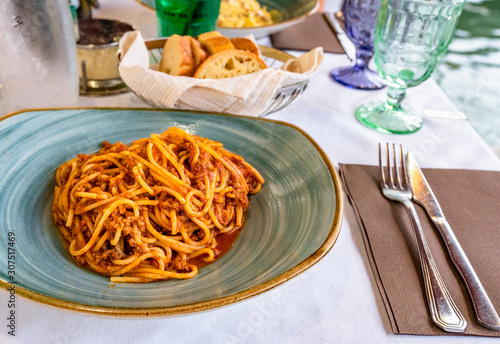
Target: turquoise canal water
470	72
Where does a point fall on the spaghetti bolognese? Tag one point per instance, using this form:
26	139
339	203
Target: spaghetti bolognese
150	210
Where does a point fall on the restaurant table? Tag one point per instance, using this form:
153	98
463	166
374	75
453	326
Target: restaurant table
336	300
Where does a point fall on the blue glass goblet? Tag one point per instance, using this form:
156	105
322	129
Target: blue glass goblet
360	18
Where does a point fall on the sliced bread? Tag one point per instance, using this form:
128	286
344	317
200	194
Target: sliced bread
246	44
214	42
228	64
177	57
199	52
209	34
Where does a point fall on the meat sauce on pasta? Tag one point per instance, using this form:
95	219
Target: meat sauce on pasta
154	209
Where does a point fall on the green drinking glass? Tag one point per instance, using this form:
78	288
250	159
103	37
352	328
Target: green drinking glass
186	17
411	38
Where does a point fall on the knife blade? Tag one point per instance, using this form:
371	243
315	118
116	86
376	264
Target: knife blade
345	42
486	315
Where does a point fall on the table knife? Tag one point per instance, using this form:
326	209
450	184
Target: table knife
423	195
345	42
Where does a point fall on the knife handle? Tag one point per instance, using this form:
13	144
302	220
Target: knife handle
345	42
484	309
444	312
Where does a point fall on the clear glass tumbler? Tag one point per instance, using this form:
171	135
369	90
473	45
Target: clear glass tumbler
38	55
360	18
411	38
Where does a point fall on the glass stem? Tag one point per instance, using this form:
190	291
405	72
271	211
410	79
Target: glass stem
394	97
363	57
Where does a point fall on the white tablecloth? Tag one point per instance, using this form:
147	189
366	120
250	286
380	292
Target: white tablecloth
335	301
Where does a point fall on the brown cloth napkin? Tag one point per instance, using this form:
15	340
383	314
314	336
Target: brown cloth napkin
471	203
308	34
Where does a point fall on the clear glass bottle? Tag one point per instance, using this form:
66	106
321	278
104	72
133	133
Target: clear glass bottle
38	65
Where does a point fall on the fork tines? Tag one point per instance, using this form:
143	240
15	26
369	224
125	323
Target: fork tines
396	178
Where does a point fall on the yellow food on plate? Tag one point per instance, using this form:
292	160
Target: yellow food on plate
156	209
243	13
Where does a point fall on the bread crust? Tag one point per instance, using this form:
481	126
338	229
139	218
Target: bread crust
199	52
228	64
245	44
177	57
214	42
211	56
209	34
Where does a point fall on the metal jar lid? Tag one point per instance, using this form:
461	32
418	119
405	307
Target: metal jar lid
101	33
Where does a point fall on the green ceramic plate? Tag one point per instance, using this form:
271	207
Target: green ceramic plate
291	223
292	11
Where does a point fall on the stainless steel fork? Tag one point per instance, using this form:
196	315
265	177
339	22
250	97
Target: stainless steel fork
394	185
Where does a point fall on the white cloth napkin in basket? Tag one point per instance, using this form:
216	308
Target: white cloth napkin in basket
243	95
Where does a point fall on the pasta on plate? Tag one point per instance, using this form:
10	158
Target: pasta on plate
154	209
